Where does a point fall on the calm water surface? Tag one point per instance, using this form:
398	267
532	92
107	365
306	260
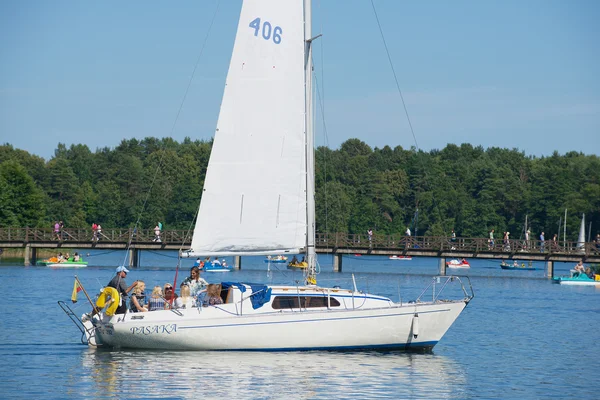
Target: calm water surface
521	337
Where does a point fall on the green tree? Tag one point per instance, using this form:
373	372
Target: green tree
21	201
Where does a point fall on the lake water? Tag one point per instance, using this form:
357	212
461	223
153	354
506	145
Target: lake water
520	337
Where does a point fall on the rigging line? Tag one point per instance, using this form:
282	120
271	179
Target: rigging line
321	97
212	21
327	153
436	206
395	77
160	162
160	254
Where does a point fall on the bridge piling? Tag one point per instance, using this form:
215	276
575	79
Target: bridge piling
26	254
442	265
134	258
337	263
550	269
237	262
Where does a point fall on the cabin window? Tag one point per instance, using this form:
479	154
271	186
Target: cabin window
286	302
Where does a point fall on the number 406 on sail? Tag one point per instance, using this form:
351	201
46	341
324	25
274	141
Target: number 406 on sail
267	30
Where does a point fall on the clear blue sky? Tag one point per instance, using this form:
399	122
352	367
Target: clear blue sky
516	74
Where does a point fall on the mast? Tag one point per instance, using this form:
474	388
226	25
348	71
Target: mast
565	230
310	147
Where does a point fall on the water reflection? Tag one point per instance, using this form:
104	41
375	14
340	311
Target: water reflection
272	375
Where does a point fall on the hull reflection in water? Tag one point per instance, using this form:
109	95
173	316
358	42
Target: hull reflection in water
273	375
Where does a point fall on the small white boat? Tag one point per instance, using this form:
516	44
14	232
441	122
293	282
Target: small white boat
55	262
68	265
458	264
405	258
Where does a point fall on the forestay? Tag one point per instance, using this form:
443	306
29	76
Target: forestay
254	199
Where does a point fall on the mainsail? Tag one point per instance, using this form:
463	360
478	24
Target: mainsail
254	196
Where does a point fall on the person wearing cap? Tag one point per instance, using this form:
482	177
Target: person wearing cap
118	282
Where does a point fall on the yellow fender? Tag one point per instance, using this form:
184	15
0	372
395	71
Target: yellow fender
109	296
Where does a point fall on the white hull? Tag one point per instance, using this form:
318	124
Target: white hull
361	321
457	264
579	283
212	329
67	265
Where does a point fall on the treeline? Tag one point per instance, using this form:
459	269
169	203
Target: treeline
465	188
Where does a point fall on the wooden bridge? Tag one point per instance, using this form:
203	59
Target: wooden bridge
337	244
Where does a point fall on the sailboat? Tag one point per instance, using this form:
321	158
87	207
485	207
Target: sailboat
255	203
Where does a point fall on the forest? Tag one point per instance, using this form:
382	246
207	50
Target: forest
463	188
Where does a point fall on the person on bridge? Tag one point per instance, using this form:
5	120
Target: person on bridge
156	234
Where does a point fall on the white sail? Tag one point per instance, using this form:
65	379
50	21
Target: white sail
254	196
581	238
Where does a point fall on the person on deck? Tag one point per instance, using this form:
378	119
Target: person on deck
213	295
137	300
170	295
156	301
185	300
195	282
118	282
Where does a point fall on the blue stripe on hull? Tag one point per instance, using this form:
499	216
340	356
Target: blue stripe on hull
377	347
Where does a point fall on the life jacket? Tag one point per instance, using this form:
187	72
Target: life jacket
109	296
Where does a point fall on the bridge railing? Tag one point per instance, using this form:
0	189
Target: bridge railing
113	235
442	243
338	240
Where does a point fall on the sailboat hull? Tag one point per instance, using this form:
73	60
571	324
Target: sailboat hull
410	326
